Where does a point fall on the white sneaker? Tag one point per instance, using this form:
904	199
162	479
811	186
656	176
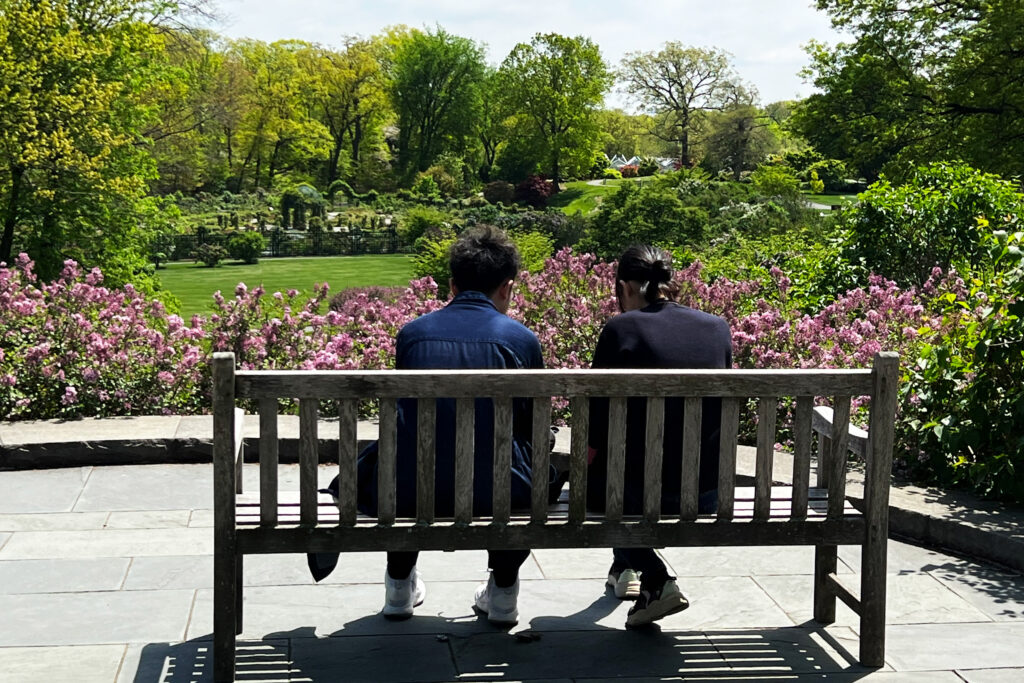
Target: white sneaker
402	595
651	606
499	604
625	583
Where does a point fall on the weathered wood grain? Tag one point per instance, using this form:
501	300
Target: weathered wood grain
348	451
268	460
465	418
653	457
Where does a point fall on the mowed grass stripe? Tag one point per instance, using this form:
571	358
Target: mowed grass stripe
194	285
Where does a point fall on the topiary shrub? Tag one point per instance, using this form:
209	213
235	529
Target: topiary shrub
247	246
534	191
210	255
611	174
499	192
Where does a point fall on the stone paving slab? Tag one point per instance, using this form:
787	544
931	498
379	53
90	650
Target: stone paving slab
78	664
998	594
63	576
992	675
41	490
755	560
910	599
52	521
34	545
147	487
98	618
925	647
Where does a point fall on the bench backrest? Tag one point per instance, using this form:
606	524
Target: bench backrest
735	387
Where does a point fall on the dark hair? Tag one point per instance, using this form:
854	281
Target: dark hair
483	258
650	266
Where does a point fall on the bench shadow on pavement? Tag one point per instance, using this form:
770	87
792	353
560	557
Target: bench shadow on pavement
433	648
750	655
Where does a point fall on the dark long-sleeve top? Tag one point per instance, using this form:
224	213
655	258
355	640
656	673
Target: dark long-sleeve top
469	333
662	335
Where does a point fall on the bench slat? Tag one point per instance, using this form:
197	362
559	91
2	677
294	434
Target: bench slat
838	458
465	416
248	510
691	458
386	454
727	456
348	452
268	460
541	458
309	456
426	458
655	447
502	471
801	453
766	412
616	457
486	383
580	408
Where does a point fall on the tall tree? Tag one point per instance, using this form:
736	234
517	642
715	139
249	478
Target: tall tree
351	99
739	139
73	170
920	81
558	83
675	84
435	90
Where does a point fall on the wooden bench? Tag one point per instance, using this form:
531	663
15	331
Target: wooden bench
801	514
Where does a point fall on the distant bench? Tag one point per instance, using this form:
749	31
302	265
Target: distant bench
273	521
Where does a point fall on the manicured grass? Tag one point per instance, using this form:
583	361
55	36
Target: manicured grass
194	285
830	199
581	197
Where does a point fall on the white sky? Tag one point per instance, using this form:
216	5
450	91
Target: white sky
764	36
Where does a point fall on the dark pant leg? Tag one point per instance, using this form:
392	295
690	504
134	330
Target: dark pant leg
400	563
653	572
505	564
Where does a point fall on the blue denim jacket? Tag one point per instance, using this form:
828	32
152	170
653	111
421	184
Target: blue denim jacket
468	333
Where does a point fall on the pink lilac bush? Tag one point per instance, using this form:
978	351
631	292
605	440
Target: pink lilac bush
73	347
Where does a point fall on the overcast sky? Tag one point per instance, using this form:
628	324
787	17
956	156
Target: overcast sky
764	36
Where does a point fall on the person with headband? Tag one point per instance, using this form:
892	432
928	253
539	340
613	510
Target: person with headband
654	331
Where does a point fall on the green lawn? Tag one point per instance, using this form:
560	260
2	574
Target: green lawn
581	197
195	285
830	199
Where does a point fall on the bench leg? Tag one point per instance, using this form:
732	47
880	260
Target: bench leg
238	594
872	602
226	615
826	558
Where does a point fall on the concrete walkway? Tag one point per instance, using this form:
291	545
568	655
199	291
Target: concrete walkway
106	575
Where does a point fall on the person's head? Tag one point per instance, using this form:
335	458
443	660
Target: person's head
483	259
644	276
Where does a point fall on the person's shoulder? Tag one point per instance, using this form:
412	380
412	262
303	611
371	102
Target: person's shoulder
701	316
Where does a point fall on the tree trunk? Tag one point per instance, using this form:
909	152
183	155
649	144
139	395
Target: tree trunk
11	216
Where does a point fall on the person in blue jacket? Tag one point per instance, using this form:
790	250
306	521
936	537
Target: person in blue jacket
471	332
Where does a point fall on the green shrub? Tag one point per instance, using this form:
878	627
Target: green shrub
831	172
775	181
648	166
426	187
419	219
247	246
611	174
210	255
432	258
534	249
962	401
340	186
815	183
939	217
499	192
